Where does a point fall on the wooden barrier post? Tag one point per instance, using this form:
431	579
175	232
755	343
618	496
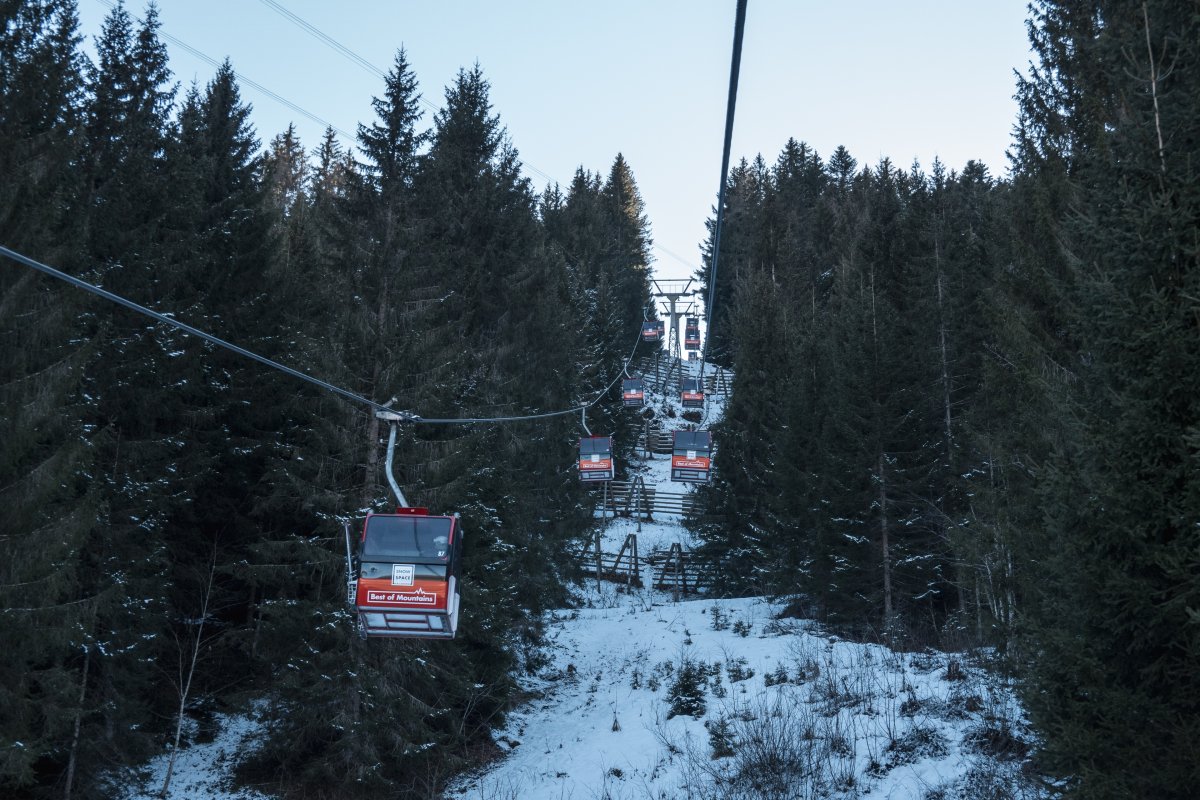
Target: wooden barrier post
675	556
598	565
635	564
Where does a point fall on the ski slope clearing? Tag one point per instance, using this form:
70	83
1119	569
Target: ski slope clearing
645	698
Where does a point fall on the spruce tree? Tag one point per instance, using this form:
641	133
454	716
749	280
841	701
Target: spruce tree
47	502
1115	687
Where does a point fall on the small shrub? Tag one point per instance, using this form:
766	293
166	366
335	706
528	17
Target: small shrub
738	670
719	621
742	628
955	671
776	676
997	741
915	744
910	707
714	680
686	693
925	661
807	669
720	737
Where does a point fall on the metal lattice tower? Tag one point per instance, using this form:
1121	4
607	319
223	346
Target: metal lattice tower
670	291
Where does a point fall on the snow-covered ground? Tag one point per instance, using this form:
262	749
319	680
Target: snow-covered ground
642	695
202	771
649	699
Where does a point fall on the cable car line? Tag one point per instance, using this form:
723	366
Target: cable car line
116	298
380	408
253	84
734	68
326	38
363	62
405	581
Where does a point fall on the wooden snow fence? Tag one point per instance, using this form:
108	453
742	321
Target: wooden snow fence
624	566
674	570
678	571
623	500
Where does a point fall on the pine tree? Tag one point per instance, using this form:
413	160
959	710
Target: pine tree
47	504
1115	687
127	126
741	243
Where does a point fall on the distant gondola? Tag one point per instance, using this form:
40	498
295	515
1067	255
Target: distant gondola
596	462
407	578
651	331
633	393
691	393
691	456
691	334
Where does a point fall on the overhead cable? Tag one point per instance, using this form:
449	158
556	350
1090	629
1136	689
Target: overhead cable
370	67
345	393
738	29
242	78
208	337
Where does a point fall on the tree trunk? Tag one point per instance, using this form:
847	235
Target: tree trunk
884	547
189	652
71	761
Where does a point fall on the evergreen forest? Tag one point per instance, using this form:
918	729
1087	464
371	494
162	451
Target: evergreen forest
965	410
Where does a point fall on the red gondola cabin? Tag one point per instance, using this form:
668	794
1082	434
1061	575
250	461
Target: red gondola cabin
596	462
633	393
691	456
408	570
691	393
651	332
691	334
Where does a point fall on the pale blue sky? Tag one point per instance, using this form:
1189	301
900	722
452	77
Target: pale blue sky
575	83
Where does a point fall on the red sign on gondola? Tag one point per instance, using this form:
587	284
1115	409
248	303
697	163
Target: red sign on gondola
419	598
